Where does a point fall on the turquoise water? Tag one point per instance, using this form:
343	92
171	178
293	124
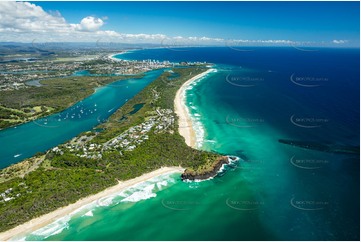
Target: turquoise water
87	73
25	140
268	177
170	213
274	192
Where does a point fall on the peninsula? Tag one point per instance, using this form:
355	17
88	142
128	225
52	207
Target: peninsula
140	137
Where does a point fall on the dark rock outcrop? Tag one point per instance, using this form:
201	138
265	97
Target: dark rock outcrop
207	173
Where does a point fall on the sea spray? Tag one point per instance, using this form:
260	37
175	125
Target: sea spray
51	229
196	117
135	193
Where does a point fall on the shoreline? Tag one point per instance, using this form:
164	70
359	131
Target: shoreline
185	128
42	221
111	56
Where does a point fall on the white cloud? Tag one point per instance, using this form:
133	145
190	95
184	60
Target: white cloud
339	41
144	36
23	21
31	20
89	24
27	17
109	33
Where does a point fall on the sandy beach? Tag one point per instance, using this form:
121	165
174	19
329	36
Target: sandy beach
115	59
111	56
46	219
185	123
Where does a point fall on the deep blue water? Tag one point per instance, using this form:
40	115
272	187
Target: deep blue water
257	97
267	80
276	191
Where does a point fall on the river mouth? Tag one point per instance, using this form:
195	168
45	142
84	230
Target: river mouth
36	83
44	133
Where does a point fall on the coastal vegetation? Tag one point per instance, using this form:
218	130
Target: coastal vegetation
55	95
207	170
138	138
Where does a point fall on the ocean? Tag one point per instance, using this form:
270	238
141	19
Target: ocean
275	191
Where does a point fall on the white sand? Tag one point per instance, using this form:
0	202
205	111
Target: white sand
185	122
115	59
46	219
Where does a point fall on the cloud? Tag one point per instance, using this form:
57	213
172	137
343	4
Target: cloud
144	36
89	24
339	41
23	21
27	17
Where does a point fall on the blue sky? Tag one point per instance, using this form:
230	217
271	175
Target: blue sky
293	21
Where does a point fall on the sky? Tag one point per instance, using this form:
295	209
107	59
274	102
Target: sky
193	23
